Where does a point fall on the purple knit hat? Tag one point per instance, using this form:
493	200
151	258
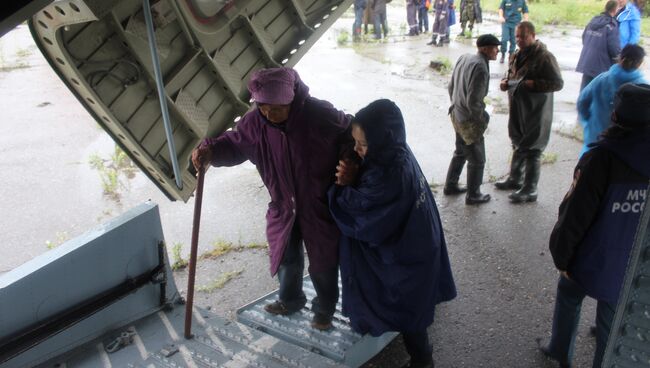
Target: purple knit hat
273	86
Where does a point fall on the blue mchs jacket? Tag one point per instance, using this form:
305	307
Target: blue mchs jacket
598	217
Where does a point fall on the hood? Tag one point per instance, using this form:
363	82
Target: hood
383	125
619	76
600	21
629	13
632	148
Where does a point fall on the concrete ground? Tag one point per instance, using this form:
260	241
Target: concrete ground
503	270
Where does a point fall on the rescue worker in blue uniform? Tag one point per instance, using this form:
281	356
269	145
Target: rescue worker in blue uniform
510	14
593	237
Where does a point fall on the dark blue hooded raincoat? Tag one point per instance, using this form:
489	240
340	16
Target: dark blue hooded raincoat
394	262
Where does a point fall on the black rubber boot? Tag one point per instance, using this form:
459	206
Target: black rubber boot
474	181
453	174
514	180
528	193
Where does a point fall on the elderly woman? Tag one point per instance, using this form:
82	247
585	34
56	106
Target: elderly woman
294	140
393	256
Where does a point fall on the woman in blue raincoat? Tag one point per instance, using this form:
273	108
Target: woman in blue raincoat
393	256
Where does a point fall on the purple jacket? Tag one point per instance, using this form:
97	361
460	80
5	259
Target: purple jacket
297	162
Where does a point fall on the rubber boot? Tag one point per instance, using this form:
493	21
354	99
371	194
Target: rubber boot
453	174
528	193
514	180
474	181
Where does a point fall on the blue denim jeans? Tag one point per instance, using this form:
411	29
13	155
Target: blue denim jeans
358	19
566	316
380	24
423	20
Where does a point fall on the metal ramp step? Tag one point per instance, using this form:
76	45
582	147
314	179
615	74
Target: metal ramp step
340	343
157	341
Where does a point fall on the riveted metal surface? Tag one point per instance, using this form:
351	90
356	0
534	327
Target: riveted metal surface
339	343
100	50
629	340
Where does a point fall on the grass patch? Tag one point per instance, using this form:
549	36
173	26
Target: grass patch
569	12
221	247
61	237
178	262
220	282
549	158
441	64
113	171
343	38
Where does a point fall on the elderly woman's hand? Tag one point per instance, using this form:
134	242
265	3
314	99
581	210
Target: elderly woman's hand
201	157
346	172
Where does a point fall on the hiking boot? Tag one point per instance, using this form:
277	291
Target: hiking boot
279	308
321	322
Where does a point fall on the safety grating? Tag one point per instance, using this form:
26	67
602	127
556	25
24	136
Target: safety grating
339	343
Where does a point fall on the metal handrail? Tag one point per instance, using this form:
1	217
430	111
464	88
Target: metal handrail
146	9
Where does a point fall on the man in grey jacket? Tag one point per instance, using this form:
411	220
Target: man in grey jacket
467	89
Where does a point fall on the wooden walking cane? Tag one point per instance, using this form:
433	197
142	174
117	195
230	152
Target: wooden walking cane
194	248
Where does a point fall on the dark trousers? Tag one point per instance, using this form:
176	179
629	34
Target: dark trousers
418	347
473	153
566	316
423	20
508	35
585	80
290	275
380	24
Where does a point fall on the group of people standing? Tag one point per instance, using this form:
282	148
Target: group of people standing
533	75
593	236
349	190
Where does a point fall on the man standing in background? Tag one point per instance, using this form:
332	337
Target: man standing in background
467	90
411	17
600	45
378	8
470	12
359	7
533	76
510	14
629	22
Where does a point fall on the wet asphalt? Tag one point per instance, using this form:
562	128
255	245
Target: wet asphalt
503	270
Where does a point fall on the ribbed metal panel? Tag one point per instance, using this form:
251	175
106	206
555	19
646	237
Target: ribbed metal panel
339	343
629	340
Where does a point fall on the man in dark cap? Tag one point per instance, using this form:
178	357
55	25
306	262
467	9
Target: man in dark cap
467	90
294	140
593	237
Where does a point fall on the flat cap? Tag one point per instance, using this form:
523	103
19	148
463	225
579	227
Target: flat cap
487	40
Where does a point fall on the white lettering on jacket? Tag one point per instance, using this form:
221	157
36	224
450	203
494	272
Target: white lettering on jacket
634	202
